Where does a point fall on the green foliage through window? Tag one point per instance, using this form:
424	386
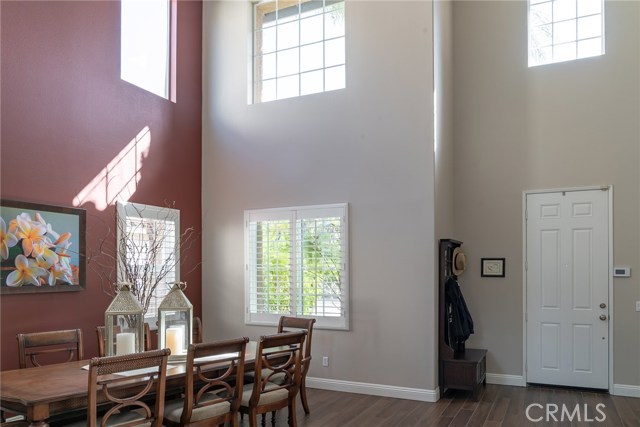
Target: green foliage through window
296	265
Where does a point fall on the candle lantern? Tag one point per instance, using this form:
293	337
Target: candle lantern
124	323
175	322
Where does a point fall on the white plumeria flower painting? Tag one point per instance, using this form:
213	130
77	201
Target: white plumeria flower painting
41	247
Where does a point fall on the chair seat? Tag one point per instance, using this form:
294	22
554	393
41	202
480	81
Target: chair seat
265	398
173	409
117	420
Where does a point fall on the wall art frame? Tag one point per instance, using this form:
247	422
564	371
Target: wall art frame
42	248
492	267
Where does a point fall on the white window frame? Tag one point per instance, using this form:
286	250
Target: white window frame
557	21
292	214
256	77
137	211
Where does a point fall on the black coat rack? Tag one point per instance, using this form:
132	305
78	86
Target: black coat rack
463	371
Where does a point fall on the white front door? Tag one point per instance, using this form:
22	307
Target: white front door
567	288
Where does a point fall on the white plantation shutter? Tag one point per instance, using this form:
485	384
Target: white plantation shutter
142	223
296	265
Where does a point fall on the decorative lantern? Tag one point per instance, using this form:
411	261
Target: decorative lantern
175	322
124	323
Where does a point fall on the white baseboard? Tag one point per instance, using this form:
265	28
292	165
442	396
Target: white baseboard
419	394
626	390
504	379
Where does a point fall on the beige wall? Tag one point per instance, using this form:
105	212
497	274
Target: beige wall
370	145
443	92
517	128
443	123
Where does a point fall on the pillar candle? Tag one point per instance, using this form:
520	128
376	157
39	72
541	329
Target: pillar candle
125	343
175	340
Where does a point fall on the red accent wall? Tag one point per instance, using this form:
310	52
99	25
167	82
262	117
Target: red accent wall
65	115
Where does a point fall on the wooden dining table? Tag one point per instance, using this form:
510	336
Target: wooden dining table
45	391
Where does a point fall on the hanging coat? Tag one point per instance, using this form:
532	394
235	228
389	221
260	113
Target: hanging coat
459	321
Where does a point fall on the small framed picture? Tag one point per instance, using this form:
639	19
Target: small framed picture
492	267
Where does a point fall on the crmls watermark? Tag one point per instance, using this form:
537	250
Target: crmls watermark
552	412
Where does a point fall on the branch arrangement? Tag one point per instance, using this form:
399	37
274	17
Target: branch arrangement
142	252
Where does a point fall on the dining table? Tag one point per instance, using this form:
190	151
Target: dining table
41	392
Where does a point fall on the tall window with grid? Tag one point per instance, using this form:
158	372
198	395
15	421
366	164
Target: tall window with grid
564	30
296	265
299	48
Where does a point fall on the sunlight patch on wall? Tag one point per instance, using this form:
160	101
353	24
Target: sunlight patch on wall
118	181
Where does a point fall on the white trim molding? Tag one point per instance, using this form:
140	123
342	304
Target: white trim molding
423	395
504	379
626	390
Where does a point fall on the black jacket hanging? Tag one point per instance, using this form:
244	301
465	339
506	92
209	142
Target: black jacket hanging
459	321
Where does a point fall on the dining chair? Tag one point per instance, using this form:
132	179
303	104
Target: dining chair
128	405
43	347
101	332
212	396
282	355
197	330
289	324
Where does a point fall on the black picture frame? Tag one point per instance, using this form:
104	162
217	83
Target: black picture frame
50	240
492	267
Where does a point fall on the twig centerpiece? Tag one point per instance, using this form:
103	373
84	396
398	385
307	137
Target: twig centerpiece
147	253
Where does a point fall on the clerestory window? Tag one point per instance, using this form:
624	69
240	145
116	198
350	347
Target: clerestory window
145	45
564	30
298	48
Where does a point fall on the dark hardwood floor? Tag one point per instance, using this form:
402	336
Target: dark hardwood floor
497	406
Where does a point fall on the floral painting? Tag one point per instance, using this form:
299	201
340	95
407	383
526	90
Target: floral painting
42	248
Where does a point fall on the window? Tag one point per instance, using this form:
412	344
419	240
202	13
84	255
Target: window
145	44
298	48
296	265
564	30
148	251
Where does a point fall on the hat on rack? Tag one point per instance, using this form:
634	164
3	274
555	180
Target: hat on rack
458	262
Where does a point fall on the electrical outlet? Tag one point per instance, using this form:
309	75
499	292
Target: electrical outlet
325	360
637	305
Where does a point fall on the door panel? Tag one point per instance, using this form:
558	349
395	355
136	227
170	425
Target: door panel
567	279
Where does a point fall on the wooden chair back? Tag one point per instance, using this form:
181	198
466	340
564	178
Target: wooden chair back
281	354
118	389
287	324
208	386
197	330
101	332
43	348
291	324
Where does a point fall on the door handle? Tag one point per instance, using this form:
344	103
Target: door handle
603	317
603	305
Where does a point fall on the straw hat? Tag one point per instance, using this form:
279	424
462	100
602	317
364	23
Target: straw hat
458	262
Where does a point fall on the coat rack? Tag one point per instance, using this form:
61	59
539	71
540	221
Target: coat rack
466	371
